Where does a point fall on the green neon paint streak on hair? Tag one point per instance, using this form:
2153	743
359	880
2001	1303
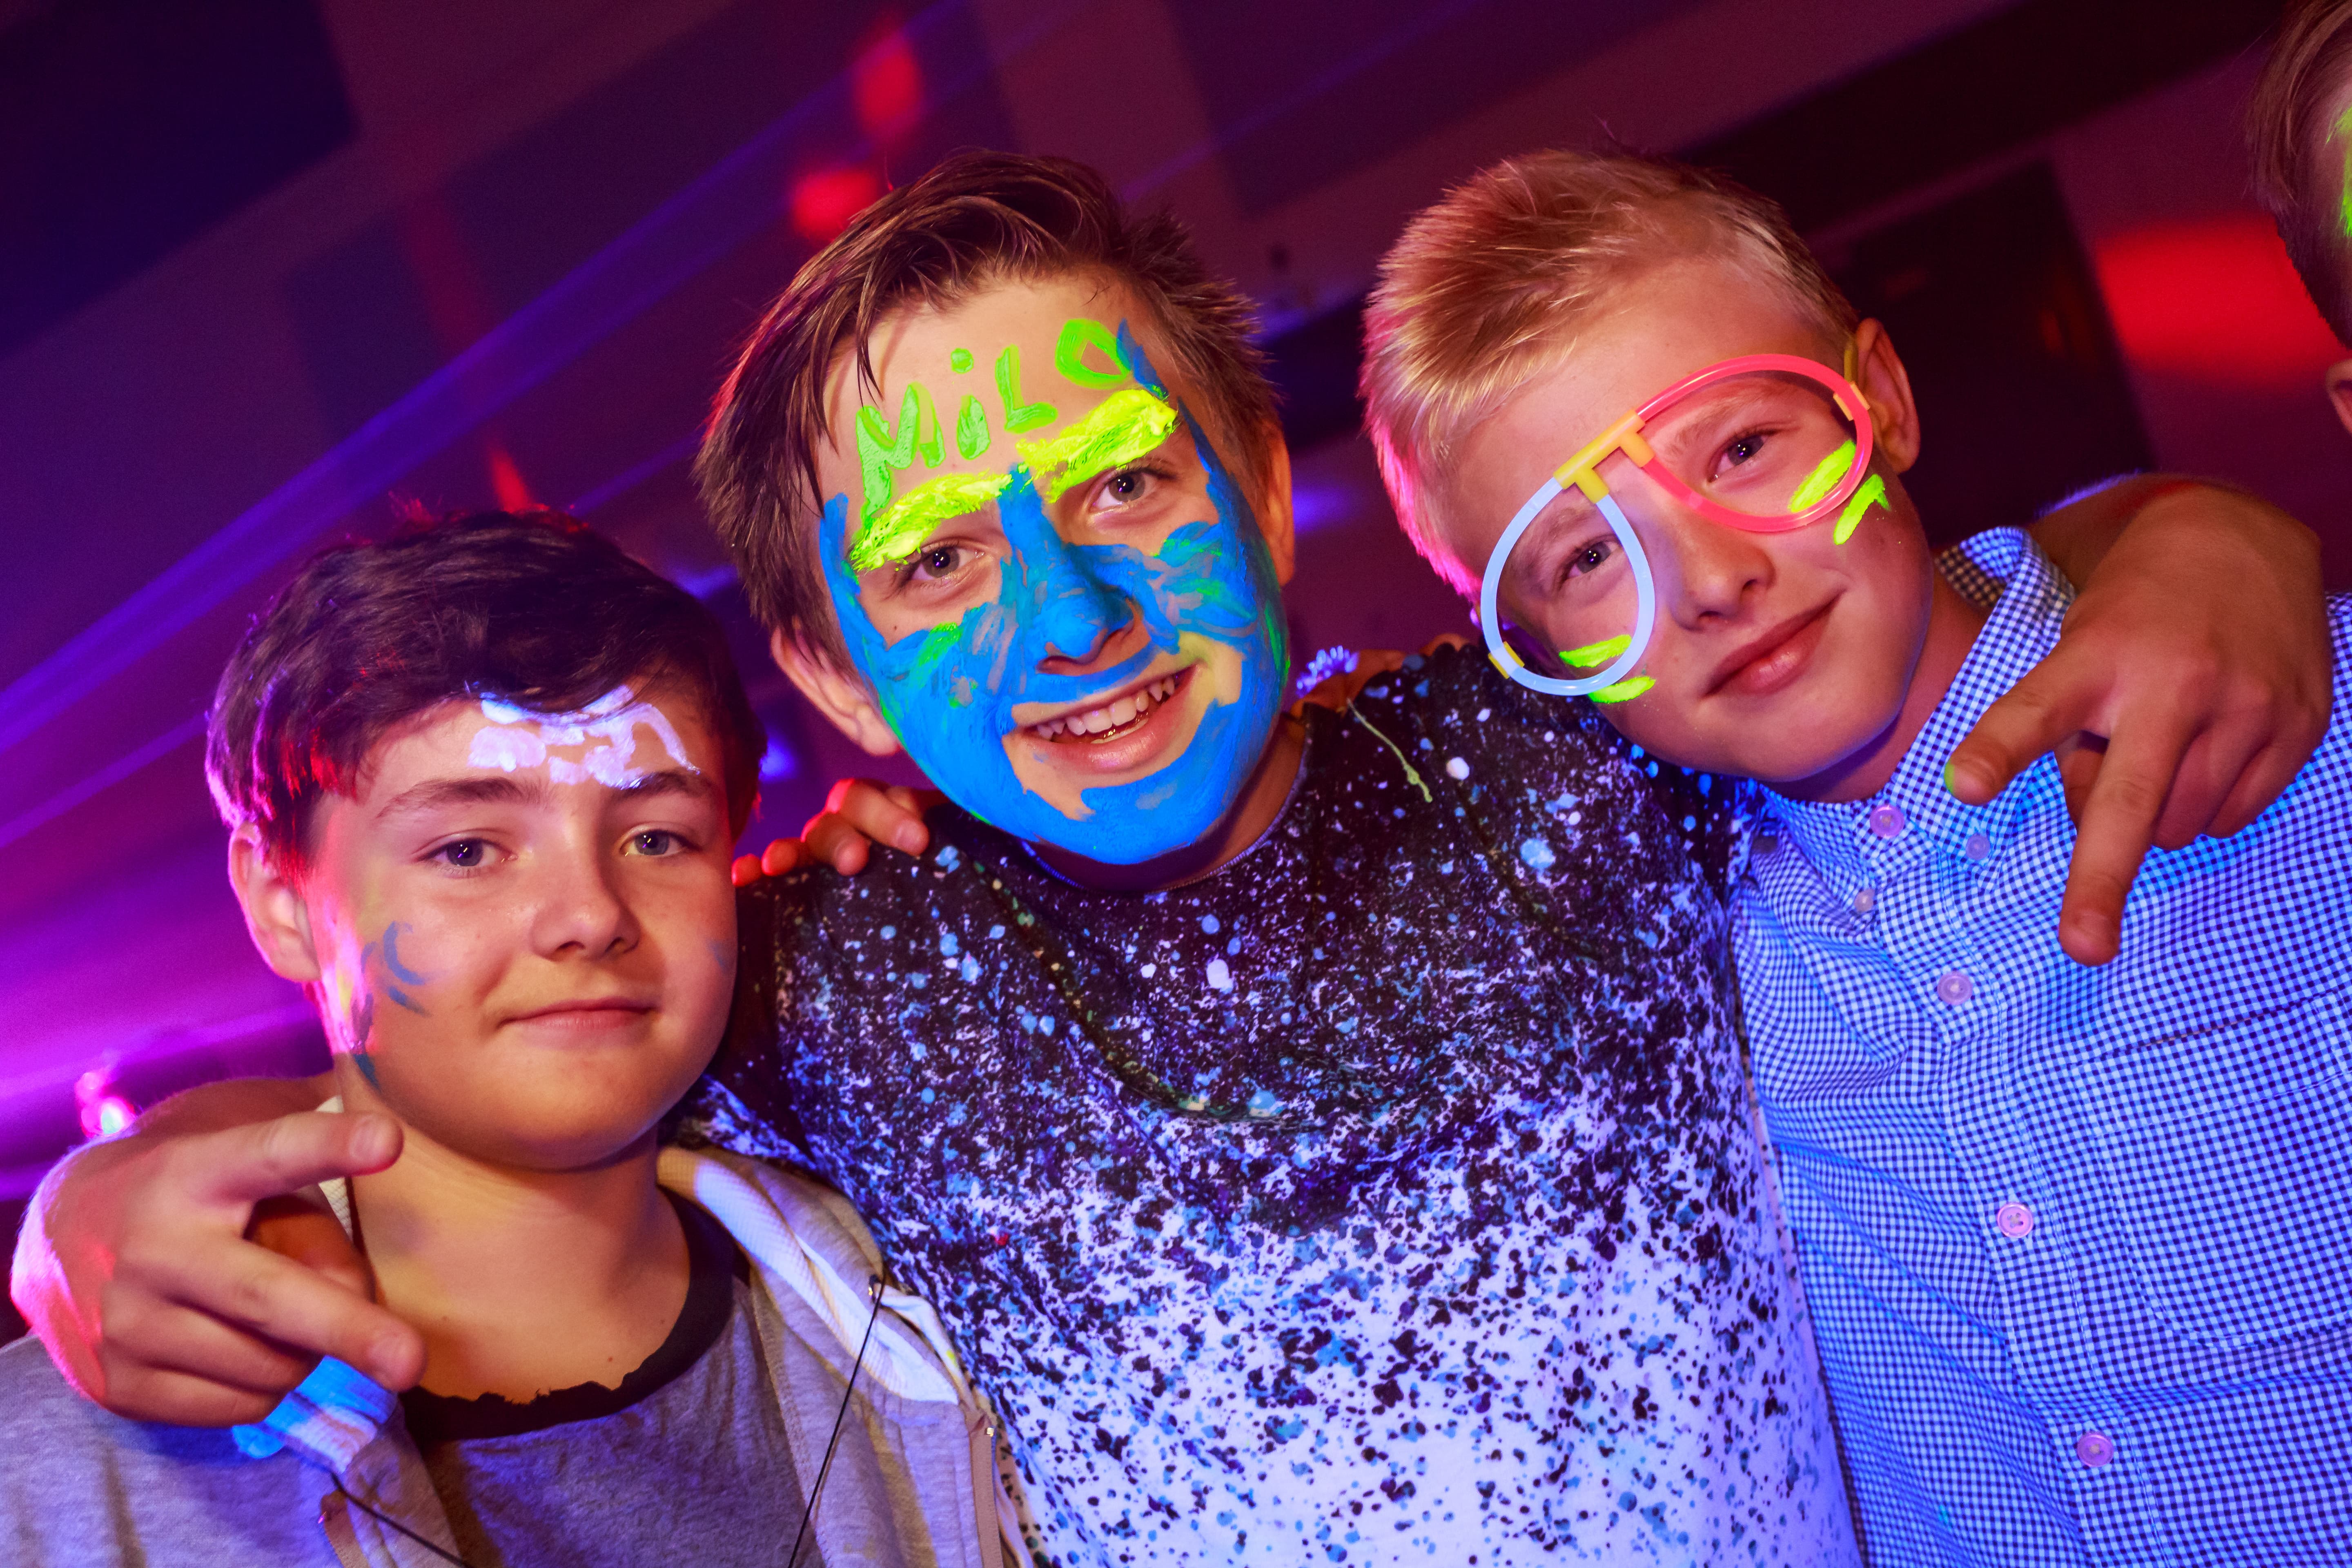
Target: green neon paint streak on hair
1823	478
972	428
958	360
908	522
2344	133
1873	493
1593	656
879	452
1130	423
1079	334
1019	416
1624	690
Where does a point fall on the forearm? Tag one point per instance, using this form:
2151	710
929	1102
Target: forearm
2178	517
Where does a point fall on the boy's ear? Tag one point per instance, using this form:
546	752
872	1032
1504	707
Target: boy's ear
275	914
1275	518
1894	418
2339	390
839	695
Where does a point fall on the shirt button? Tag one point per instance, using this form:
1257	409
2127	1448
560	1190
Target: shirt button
2094	1448
1978	847
1865	899
2014	1221
1887	821
1955	987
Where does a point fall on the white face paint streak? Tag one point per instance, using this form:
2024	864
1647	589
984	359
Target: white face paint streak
523	738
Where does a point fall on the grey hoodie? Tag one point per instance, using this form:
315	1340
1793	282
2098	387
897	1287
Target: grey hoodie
915	1483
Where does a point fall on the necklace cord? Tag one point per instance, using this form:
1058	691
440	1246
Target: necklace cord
381	1518
874	1295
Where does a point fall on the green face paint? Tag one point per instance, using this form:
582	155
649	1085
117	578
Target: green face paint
909	521
1873	493
1127	425
1019	416
1824	479
880	454
1624	690
1079	334
972	428
1593	656
958	360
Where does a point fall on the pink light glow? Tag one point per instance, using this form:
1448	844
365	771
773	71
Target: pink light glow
822	202
2215	300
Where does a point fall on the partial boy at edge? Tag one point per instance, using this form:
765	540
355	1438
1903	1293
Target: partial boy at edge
482	783
2078	1240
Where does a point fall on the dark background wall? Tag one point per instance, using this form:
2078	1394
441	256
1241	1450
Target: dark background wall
272	269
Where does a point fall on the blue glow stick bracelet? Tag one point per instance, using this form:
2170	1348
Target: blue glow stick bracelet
1490	619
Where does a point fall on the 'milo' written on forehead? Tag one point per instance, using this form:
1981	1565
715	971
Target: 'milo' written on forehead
1065	609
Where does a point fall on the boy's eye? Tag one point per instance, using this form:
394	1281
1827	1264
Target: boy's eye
1741	450
935	563
1125	488
463	854
655	841
1587	558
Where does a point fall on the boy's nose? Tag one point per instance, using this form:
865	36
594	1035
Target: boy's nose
1075	612
579	911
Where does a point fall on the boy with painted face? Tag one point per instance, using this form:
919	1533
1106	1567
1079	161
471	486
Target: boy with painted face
2078	1240
482	783
1326	1144
1232	1083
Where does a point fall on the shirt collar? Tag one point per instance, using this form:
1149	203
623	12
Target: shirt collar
1855	840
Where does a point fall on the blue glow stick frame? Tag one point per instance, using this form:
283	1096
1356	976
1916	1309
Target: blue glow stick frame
1580	471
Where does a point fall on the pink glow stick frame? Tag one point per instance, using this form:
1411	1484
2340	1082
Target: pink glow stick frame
1583	471
1625	436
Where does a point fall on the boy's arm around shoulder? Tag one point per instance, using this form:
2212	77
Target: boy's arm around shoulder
138	1268
2192	681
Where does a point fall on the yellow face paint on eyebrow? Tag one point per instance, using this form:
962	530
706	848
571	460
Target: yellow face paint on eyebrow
901	529
1823	478
1127	425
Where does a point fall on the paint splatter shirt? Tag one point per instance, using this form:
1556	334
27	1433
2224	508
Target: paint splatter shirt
1392	1194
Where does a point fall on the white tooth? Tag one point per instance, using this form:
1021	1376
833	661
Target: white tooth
1084	723
1143	700
1122	712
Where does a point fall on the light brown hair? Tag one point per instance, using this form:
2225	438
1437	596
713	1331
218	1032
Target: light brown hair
2300	172
976	220
1484	291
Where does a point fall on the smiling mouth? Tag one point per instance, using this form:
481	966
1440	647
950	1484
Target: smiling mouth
1759	665
1123	714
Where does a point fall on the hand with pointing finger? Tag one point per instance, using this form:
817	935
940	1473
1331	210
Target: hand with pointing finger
135	1267
2192	683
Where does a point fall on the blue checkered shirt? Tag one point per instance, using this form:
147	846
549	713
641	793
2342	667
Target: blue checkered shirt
2078	1242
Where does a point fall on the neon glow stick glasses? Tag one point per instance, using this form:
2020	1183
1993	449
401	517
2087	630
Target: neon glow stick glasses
1764	443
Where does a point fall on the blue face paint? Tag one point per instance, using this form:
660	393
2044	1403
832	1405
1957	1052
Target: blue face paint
948	693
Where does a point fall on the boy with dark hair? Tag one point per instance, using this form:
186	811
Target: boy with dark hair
2078	1240
1325	1134
482	782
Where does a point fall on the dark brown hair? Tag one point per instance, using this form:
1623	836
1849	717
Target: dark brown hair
532	608
2299	162
976	220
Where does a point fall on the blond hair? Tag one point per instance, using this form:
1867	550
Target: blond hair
1484	291
2288	129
